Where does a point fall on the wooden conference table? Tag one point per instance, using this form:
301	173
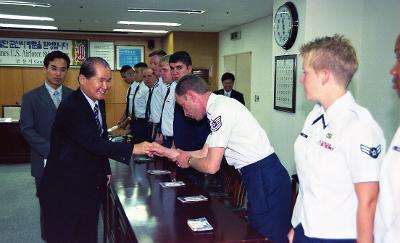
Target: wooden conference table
140	210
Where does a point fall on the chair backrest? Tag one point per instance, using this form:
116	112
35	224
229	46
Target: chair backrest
238	194
234	186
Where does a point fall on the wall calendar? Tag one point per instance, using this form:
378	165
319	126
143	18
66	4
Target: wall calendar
285	83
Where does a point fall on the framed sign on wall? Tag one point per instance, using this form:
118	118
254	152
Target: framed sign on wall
285	83
129	55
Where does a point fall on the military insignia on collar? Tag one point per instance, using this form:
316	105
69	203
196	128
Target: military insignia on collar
373	151
216	124
329	135
396	148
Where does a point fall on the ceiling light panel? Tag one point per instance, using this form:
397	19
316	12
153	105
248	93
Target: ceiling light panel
30	4
149	23
152	10
22	17
142	31
28	26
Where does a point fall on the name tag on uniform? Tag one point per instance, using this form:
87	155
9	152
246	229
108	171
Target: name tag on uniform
396	148
303	135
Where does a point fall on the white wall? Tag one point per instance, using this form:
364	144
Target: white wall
371	25
381	25
255	39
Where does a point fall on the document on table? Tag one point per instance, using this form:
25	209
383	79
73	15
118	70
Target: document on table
172	184
190	199
200	224
158	172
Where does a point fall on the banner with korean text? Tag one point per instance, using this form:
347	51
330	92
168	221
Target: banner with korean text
31	52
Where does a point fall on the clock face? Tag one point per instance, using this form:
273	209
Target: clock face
285	25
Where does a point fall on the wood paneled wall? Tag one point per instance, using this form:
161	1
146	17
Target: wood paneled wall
15	81
203	48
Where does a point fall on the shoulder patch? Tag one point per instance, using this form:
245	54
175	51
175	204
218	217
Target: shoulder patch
371	151
216	124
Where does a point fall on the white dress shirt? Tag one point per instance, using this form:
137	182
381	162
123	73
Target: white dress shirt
234	128
335	149
167	126
133	88
387	217
157	99
141	100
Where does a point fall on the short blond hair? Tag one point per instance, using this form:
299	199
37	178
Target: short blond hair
164	59
334	53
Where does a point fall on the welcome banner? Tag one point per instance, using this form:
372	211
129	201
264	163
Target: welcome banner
31	52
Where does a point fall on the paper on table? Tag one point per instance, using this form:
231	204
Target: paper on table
189	199
200	224
172	184
158	172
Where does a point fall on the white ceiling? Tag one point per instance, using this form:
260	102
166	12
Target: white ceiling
102	15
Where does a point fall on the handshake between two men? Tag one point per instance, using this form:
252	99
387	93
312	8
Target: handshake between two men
180	157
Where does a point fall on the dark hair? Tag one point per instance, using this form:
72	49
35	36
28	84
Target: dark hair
181	56
88	67
191	82
140	65
226	76
125	68
56	54
158	52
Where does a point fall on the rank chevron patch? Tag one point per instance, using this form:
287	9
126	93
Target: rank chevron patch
216	124
371	151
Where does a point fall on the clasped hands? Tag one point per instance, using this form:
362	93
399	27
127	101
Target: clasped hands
178	156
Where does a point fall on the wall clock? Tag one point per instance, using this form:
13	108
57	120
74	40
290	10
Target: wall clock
286	23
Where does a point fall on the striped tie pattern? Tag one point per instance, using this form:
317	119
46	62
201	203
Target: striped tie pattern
56	98
96	117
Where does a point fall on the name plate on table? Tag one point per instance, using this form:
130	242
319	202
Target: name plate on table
192	199
142	159
172	184
200	224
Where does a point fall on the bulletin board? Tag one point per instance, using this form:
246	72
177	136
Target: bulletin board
129	55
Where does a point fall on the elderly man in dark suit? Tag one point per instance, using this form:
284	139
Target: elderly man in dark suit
39	108
228	79
75	177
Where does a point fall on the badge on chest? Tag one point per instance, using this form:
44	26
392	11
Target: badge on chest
325	145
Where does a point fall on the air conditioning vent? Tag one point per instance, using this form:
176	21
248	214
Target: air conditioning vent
236	35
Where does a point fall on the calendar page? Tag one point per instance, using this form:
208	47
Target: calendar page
285	83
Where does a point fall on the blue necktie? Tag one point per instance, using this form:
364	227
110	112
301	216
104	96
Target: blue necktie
56	98
148	105
162	108
96	117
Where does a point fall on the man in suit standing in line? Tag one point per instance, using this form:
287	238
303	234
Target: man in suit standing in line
74	180
228	79
39	108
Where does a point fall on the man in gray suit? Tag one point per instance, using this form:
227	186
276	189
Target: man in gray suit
39	108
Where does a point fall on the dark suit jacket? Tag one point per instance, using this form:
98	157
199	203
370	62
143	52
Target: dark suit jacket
234	94
78	161
37	117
